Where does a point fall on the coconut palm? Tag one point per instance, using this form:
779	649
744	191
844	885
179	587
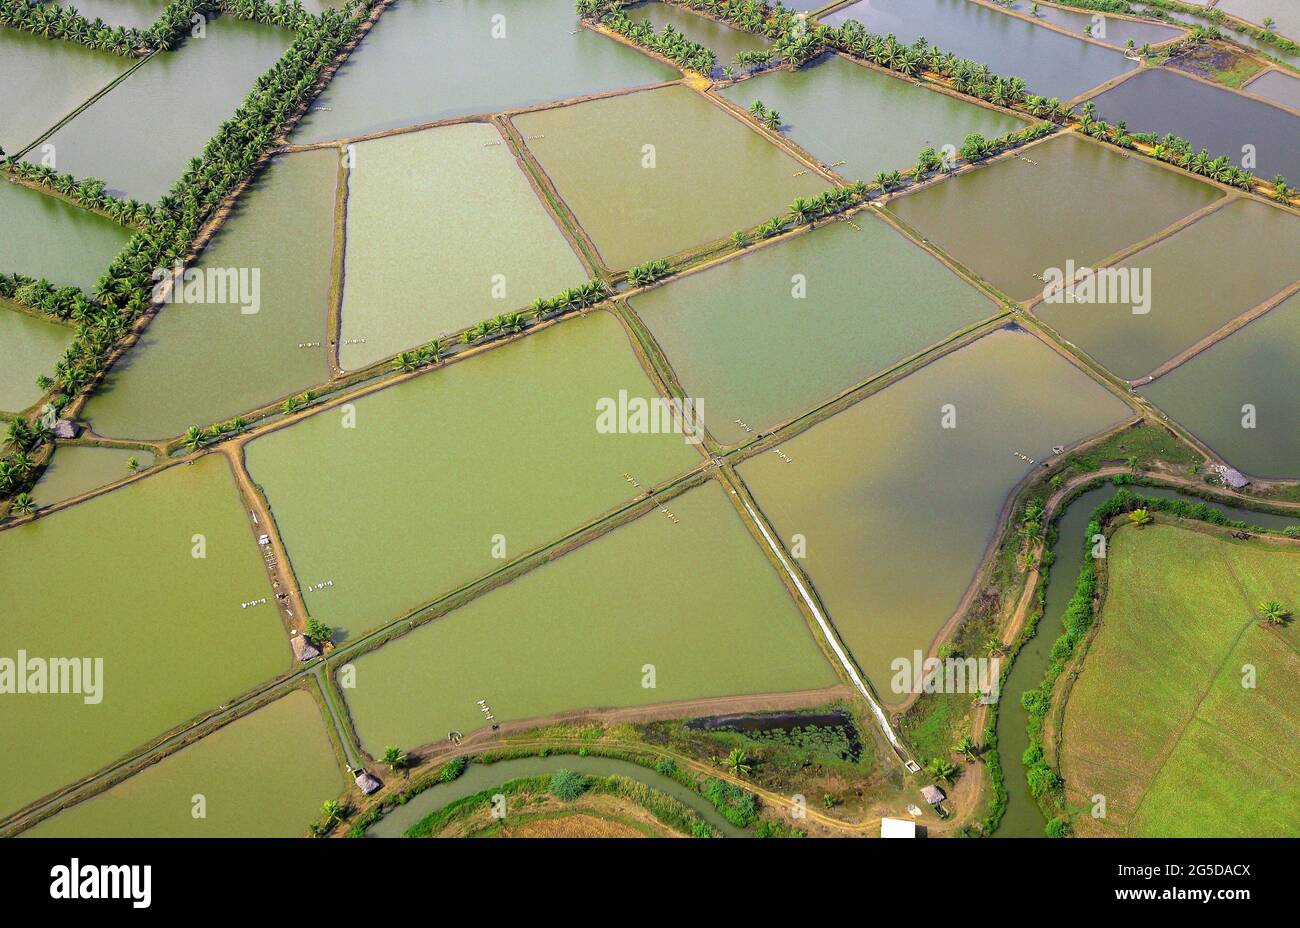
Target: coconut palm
737	762
1274	612
24	505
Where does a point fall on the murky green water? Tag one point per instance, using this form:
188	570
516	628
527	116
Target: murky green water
262	776
201	362
693	602
186	94
478	777
896	510
1284	13
170	649
29	347
738	336
44	81
1109	30
1278	86
486	447
841	111
1200	279
637	173
724	41
1054	65
1255	367
137	14
493	246
44	236
428	60
1076	201
1242	37
1214	118
77	469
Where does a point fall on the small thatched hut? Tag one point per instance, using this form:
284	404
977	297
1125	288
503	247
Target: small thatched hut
932	794
303	649
1230	476
66	428
366	782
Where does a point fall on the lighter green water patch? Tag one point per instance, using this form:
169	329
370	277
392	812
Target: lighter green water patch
644	182
696	599
484	448
207	359
77	469
724	41
471	240
842	111
896	510
170	649
1194	282
739	335
262	776
29	347
1065	199
44	236
1251	378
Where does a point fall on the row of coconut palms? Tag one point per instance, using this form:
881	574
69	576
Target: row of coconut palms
90	192
670	43
54	21
43	296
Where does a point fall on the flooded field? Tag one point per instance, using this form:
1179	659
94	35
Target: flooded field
1114	31
209	360
1278	86
29	347
1200	279
262	776
1257	366
66	245
525	413
917	503
842	111
77	469
695	599
724	41
481	57
1012	220
738	337
633	170
1053	64
1214	118
1284	13
189	92
133	14
44	81
170	650
494	247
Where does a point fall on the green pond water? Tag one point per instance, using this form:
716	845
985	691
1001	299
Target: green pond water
1217	119
200	362
186	94
170	650
1255	366
1201	278
737	336
896	510
724	41
1284	13
839	110
1243	38
133	14
29	347
1114	31
77	469
478	777
1053	64
696	599
1278	86
525	414
44	236
262	776
1077	201
470	240
44	81
696	191
427	60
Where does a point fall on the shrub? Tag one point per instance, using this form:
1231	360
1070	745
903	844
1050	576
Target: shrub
567	784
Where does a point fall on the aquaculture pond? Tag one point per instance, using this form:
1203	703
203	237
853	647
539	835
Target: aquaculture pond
523	413
1284	13
1065	199
429	60
724	41
872	122
1213	118
45	236
478	777
1278	86
1115	31
741	338
77	469
265	775
1239	395
1197	280
249	327
492	247
635	172
687	602
1052	64
916	502
133	14
170	651
29	347
45	80
189	92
